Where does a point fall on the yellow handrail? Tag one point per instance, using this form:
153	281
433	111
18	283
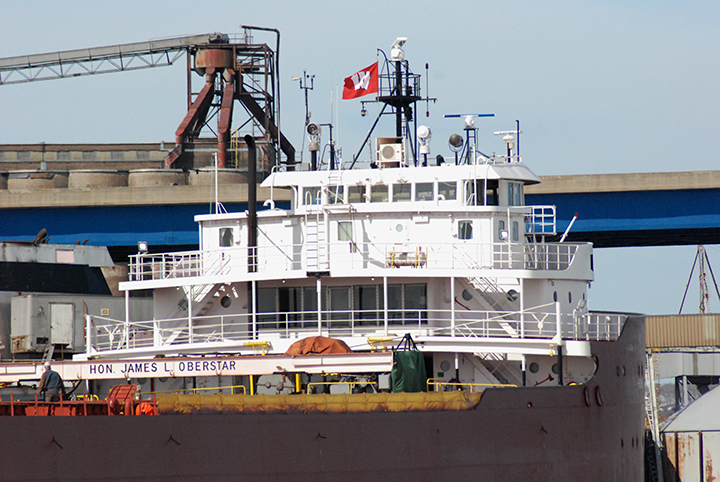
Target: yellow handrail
263	345
436	383
195	390
373	341
88	396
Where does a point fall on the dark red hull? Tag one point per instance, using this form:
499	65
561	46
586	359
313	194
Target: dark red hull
539	434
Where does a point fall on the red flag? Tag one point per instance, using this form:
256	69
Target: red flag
361	83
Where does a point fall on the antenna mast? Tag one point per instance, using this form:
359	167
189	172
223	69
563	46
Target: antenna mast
702	278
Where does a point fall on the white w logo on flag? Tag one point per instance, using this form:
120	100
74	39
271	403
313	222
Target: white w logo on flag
361	80
361	83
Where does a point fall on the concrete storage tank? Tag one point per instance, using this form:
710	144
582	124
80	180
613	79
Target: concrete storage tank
96	178
156	177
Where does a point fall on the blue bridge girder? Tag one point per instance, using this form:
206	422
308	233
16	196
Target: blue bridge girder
623	210
607	216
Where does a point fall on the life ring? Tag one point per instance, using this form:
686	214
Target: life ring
598	396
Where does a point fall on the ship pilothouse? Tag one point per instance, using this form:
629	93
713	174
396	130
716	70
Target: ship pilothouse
442	249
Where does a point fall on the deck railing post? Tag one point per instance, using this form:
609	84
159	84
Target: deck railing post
253	287
558	324
522	309
190	310
88	335
452	304
318	286
385	303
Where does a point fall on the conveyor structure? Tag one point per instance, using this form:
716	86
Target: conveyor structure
233	66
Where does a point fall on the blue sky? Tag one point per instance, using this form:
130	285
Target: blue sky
599	87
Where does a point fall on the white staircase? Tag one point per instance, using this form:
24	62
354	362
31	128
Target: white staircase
495	299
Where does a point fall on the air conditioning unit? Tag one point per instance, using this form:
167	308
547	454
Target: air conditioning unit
390	151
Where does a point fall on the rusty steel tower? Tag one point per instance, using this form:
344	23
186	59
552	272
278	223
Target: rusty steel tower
234	69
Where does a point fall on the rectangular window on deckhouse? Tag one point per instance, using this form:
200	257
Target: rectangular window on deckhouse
379	193
356	194
401	192
336	194
514	194
311	195
474	192
448	190
465	230
226	237
424	191
344	231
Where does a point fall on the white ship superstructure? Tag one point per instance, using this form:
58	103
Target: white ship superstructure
449	254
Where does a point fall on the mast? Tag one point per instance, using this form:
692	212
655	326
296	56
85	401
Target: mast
403	87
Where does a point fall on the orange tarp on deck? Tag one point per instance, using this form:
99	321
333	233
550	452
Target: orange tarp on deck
318	345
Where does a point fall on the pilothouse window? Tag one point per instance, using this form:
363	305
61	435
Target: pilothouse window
515	194
336	195
379	193
401	192
311	195
474	192
356	194
424	191
491	193
448	190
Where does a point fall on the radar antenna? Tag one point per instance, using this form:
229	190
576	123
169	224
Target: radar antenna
470	146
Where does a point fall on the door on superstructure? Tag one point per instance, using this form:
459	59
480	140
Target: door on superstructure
62	318
340	309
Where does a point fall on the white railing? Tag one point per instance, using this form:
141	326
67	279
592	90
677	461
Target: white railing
108	335
541	220
356	256
178	265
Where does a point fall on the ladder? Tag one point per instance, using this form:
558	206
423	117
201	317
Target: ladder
650	397
315	247
652	453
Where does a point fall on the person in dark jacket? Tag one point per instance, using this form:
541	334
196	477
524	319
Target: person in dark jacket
51	384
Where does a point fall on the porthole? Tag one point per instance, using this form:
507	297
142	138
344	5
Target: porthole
445	365
555	368
554	295
225	301
569	297
466	295
534	367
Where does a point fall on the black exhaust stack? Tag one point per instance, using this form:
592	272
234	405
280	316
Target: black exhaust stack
252	204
